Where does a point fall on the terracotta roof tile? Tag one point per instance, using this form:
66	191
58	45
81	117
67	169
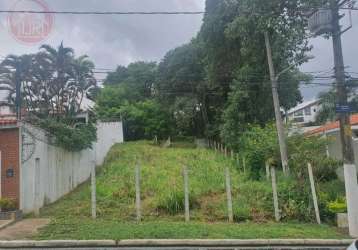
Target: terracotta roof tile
333	125
7	122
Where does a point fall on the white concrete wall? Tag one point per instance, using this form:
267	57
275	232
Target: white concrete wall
60	171
109	133
335	146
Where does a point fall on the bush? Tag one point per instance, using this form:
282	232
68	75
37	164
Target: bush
338	206
7	205
173	203
295	200
71	138
241	213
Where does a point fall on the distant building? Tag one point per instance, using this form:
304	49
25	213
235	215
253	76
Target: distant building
332	132
6	110
304	113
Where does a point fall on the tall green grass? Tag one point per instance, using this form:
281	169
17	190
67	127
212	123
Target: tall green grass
162	190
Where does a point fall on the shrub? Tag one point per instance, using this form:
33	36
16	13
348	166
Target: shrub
295	201
71	138
338	206
173	203
241	213
7	205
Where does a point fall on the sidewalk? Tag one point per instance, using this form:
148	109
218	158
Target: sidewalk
23	229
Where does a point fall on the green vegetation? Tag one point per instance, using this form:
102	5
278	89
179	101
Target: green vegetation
338	206
7	204
104	229
72	138
162	200
217	85
54	84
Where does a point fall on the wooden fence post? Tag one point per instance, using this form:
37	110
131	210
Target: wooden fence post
137	192
275	196
229	195
267	166
186	193
314	195
37	187
93	191
244	163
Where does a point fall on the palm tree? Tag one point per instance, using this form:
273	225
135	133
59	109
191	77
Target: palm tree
16	79
83	81
60	61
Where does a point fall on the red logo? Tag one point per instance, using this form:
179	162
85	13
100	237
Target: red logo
30	28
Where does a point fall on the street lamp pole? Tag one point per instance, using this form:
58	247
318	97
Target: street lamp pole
276	103
279	122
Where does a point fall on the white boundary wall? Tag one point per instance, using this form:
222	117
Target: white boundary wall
60	171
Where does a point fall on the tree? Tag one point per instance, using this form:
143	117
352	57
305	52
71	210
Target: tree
233	34
83	81
129	95
116	77
145	120
18	68
182	87
328	101
53	82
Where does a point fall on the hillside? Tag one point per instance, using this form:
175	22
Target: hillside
162	200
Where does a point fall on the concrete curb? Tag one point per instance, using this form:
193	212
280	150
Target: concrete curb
174	243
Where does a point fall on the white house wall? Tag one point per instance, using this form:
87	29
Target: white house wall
335	146
60	171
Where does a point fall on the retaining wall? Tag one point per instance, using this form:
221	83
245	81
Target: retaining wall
52	172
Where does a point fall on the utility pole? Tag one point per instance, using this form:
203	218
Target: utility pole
276	102
344	117
350	172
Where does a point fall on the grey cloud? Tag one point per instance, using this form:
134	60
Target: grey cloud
113	40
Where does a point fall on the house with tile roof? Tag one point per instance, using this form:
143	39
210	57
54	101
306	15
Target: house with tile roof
332	132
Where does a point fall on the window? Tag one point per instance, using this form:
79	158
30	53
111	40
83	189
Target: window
299	119
308	111
299	113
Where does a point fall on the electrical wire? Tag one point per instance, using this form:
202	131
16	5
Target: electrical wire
105	12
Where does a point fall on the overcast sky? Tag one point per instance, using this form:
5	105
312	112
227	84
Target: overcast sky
114	40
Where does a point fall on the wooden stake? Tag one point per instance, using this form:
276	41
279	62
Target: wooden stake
267	170
244	163
314	195
275	196
137	193
93	191
186	194
229	195
37	187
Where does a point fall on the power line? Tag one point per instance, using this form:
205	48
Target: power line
142	12
105	12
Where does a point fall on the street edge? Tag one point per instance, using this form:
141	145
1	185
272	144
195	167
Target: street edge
174	243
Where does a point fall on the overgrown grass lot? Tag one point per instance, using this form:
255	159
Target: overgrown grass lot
163	200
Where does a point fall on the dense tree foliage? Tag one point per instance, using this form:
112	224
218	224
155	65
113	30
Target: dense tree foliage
218	84
53	81
128	94
53	85
328	101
